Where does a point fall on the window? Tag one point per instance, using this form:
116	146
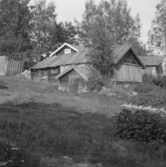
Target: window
67	51
54	71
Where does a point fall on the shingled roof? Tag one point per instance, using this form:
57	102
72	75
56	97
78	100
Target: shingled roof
152	60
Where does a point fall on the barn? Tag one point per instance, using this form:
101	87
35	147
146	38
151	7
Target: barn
70	61
153	65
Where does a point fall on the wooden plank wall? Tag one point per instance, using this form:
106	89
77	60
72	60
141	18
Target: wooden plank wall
10	66
127	73
150	71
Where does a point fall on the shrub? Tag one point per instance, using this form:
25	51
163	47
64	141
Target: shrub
154	99
146	88
95	82
140	126
147	79
160	81
149	95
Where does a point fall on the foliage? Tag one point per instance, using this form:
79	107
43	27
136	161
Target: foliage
63	32
157	33
44	21
147	79
137	46
149	95
15	23
140	126
103	27
147	88
45	131
16	157
116	18
154	99
160	81
28	32
96	81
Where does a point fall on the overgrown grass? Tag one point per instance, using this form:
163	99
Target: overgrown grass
43	132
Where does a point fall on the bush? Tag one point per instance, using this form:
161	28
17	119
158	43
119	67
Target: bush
154	99
140	126
95	82
146	88
45	132
149	95
160	81
147	79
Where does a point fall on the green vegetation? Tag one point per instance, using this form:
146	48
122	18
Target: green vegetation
140	126
40	126
150	93
44	132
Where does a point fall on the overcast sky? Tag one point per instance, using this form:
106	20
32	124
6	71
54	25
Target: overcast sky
73	9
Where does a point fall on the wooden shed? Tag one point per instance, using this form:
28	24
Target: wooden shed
59	61
153	65
10	66
127	65
74	78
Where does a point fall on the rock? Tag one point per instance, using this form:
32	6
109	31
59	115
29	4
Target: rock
63	89
126	86
134	93
26	74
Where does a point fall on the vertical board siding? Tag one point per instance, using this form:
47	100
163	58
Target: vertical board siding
10	66
127	73
150	71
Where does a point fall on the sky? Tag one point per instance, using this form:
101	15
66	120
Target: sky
68	10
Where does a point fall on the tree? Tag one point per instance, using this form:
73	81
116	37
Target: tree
15	24
157	38
103	27
138	46
44	21
64	32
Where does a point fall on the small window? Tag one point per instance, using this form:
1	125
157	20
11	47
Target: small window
67	51
54	71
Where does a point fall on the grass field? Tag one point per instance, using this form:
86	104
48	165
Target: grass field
21	90
42	127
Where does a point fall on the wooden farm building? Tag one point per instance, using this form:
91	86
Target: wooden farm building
69	61
153	65
62	59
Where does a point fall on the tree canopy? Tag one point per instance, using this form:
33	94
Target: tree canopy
15	23
157	32
104	26
30	31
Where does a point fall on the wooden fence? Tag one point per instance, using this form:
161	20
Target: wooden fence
10	66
